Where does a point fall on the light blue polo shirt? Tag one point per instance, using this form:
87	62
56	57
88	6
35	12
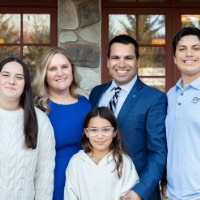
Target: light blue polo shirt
183	141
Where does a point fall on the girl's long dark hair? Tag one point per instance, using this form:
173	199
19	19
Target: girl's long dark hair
26	102
116	146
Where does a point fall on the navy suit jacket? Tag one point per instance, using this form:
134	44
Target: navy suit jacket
142	125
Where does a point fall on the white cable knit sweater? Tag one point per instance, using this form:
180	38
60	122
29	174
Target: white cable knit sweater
25	174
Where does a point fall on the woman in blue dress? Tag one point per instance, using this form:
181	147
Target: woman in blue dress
54	86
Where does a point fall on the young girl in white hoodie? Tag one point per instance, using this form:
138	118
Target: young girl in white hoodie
102	170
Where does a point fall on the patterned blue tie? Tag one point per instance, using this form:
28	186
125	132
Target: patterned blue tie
113	102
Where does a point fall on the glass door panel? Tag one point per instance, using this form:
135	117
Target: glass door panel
26	36
36	28
31	55
124	0
152	61
151	29
190	20
156	82
139	0
151	0
122	24
190	1
7	51
9	28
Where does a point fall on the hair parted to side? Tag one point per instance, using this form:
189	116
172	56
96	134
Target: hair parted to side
40	86
117	146
124	39
26	102
185	31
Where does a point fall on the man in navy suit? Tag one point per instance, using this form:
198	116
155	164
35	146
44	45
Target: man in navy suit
140	111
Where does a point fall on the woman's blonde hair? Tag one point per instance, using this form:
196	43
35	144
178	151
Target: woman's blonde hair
40	86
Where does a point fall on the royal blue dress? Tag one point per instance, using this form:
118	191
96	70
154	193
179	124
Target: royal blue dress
67	121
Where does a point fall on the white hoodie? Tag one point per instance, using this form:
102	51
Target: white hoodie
86	180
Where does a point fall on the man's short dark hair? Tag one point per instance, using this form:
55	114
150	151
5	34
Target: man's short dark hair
124	39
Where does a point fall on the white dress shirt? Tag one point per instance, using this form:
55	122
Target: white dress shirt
125	89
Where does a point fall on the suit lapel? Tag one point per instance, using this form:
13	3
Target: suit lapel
101	92
132	97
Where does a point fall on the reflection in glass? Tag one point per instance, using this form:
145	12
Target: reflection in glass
7	51
9	28
26	0
190	20
32	55
151	0
152	61
36	28
122	24
155	82
190	1
124	0
151	28
139	0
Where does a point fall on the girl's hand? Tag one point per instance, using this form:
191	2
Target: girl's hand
131	195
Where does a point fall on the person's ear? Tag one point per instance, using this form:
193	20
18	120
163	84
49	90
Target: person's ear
86	133
174	60
108	63
115	132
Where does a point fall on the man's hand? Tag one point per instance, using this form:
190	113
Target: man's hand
163	189
131	195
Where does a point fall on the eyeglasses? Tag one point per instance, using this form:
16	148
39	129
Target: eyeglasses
105	131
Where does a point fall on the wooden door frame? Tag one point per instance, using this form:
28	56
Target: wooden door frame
105	38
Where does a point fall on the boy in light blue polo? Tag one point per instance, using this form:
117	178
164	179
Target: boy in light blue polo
183	119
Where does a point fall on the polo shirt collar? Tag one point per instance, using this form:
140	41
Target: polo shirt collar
194	84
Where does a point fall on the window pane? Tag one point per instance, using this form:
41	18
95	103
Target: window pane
36	28
151	0
124	0
190	1
32	55
27	0
139	0
152	61
190	20
151	29
119	24
9	28
7	51
155	82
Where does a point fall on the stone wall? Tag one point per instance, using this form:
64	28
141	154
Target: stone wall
79	33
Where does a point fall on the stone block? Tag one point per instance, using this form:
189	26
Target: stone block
84	55
89	13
